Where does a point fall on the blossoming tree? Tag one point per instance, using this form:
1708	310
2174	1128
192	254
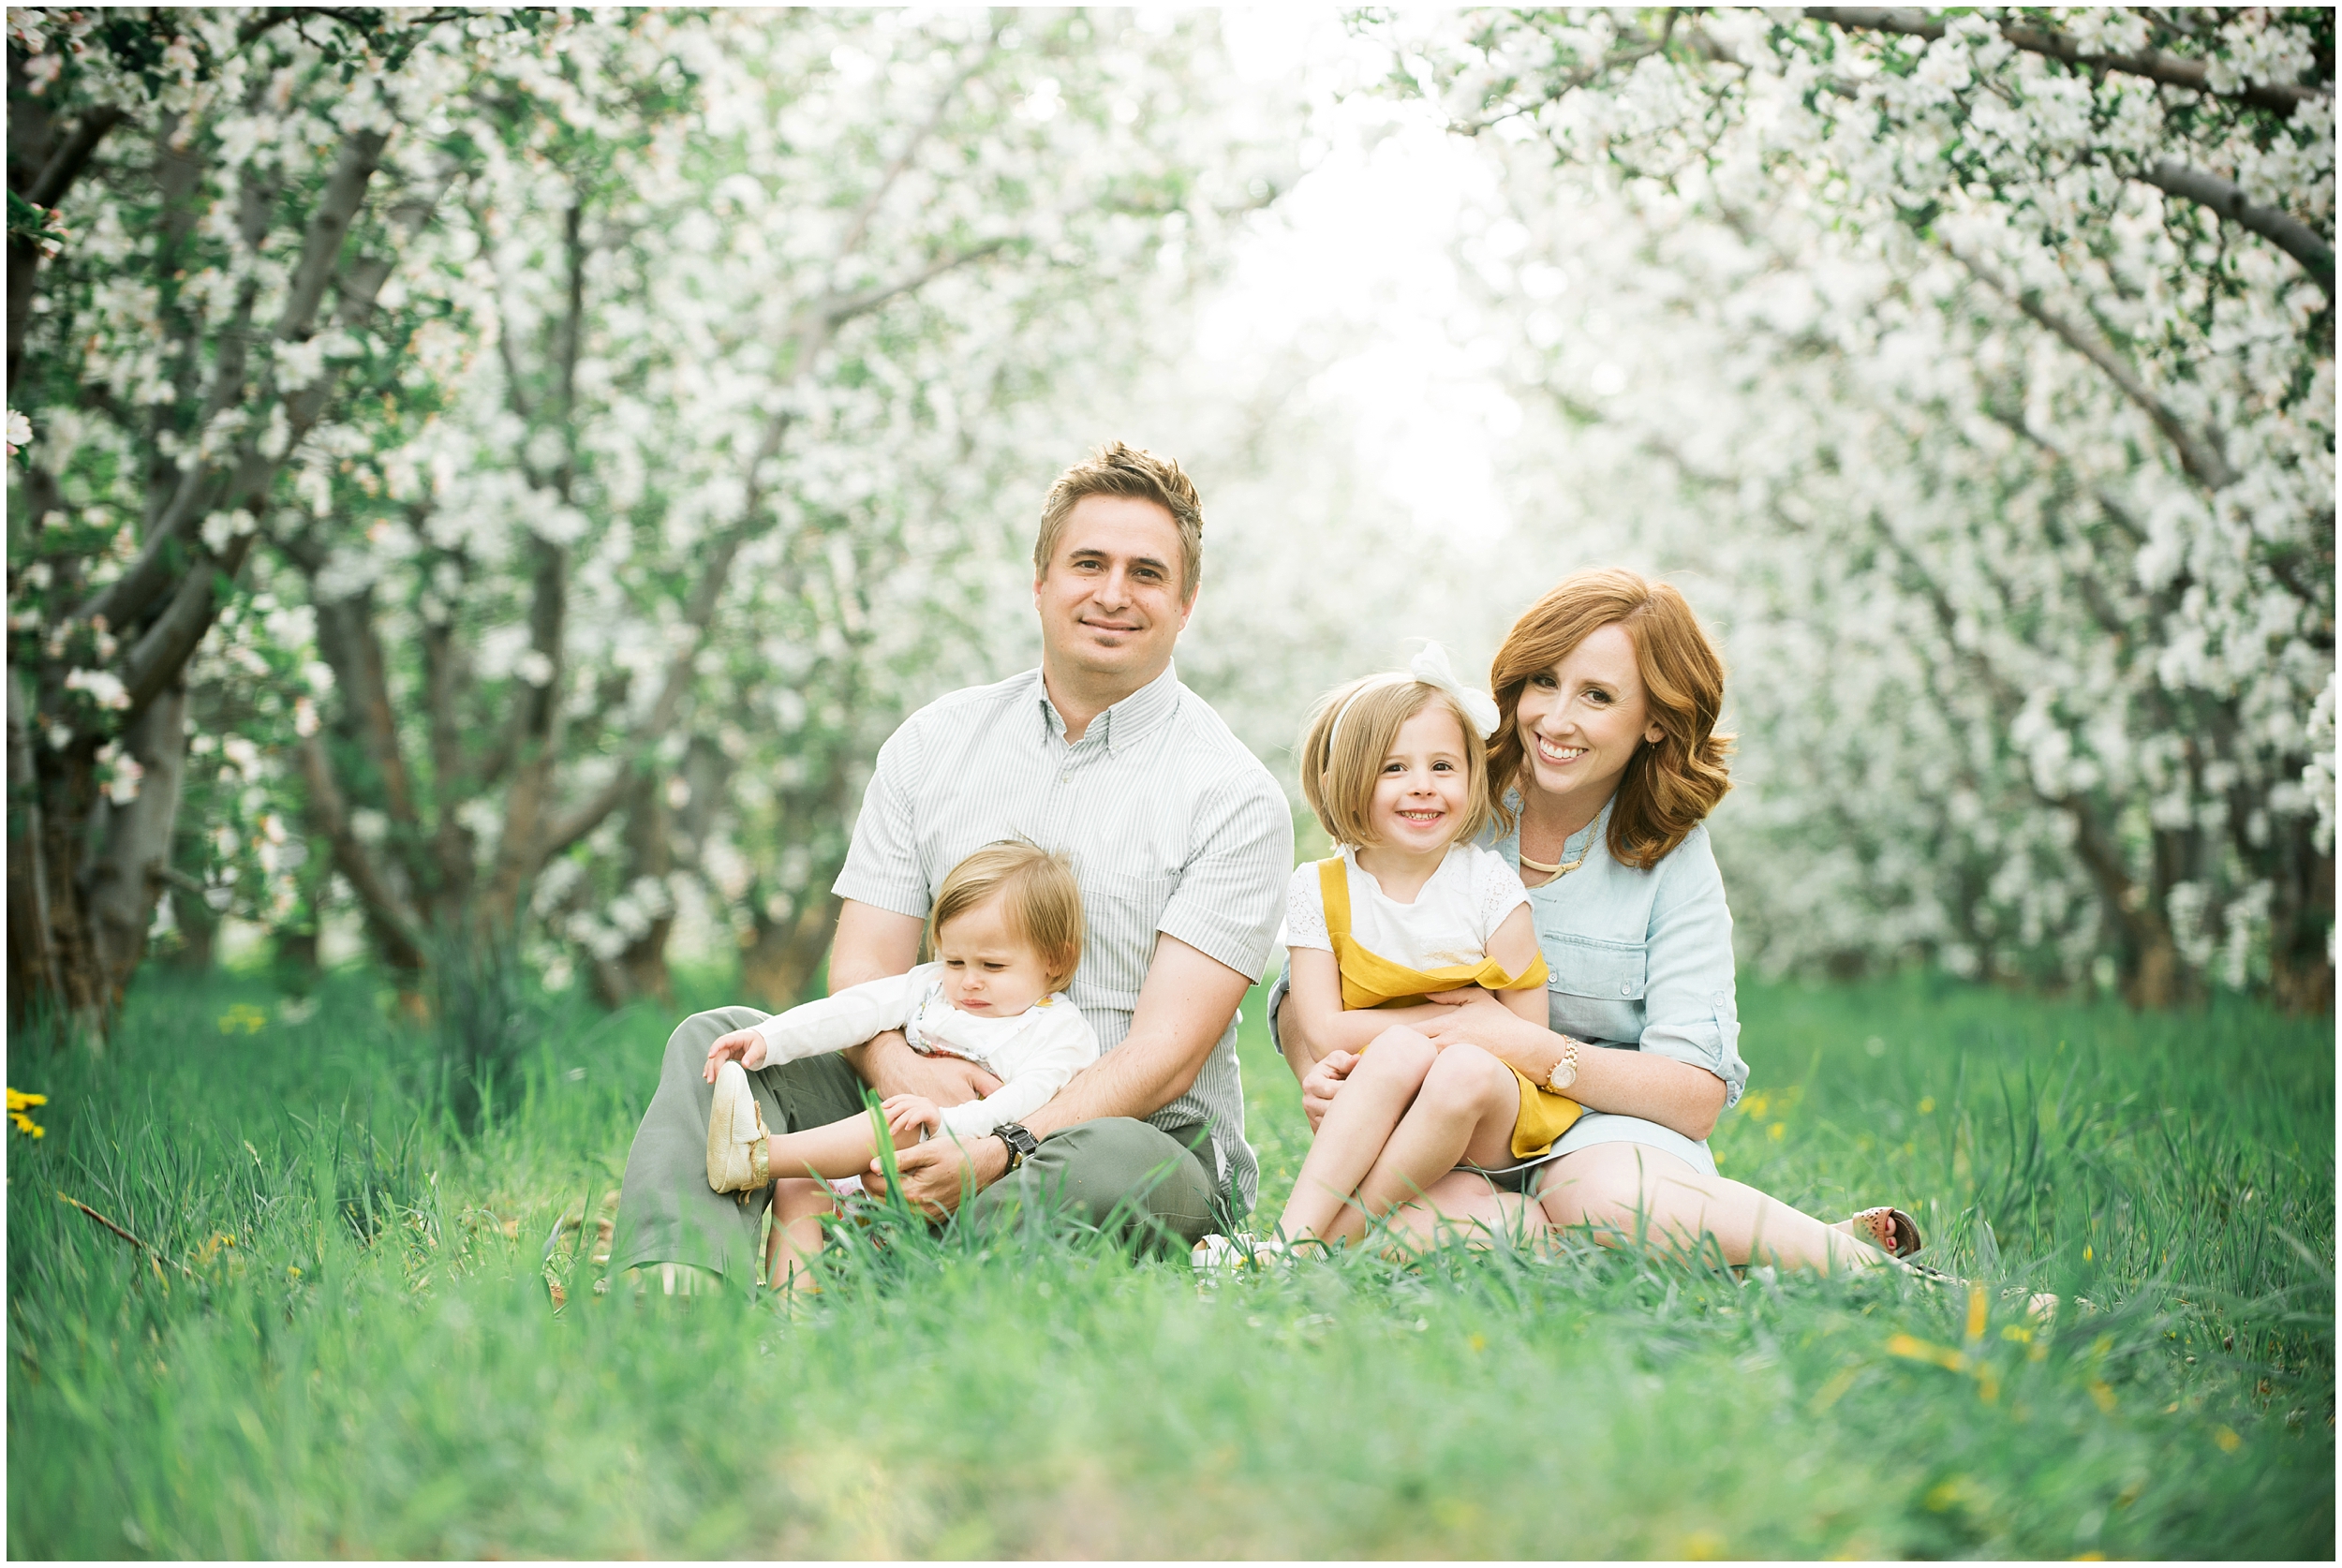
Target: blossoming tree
1989	358
735	312
204	209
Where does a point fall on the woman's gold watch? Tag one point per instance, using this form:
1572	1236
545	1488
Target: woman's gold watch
1565	1071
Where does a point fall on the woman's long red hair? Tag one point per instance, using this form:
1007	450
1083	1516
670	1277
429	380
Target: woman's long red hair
1672	783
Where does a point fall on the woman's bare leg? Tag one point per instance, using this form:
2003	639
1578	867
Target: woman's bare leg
1374	1098
1465	1109
1626	1192
799	1206
1465	1205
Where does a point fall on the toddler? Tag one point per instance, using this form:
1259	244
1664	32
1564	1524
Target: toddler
1006	932
1395	767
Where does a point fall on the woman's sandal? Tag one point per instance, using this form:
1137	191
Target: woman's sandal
739	1159
1891	1231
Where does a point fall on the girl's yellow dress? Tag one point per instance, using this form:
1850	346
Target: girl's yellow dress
1370	980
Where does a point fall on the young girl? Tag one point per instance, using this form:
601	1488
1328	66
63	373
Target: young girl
1007	931
1395	767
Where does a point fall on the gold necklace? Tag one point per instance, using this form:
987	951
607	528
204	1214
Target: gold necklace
1563	868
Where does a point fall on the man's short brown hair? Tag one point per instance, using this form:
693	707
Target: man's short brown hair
1044	902
1118	470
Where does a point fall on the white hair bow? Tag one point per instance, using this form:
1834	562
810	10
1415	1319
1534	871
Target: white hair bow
1432	668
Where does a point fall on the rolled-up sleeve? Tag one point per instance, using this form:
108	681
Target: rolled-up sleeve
1691	1010
883	865
1230	897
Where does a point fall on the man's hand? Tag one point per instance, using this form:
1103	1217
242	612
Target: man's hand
938	1174
906	1112
889	1065
1323	1082
745	1046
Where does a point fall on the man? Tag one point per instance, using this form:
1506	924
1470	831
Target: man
1182	843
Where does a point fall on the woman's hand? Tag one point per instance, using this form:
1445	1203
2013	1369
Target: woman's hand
1475	1016
1323	1082
745	1046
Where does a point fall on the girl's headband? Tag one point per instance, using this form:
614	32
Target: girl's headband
1430	668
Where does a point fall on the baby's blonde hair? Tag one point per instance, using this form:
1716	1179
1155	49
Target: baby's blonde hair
1341	762
1044	902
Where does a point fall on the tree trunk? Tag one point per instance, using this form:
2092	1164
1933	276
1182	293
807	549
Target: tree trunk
197	924
128	875
641	971
84	873
2157	977
778	967
2300	926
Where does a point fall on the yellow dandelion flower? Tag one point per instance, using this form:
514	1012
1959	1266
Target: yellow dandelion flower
20	1103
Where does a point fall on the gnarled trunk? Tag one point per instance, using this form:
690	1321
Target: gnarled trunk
85	873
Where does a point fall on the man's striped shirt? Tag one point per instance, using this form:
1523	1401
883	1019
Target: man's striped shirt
1171	824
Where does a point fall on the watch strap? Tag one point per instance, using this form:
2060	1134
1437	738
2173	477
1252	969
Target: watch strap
1020	1142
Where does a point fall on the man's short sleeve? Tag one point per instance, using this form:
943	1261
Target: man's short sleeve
1229	900
882	866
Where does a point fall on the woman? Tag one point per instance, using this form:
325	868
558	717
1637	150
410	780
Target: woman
1607	759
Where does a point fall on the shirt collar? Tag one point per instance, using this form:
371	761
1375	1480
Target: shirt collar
1127	721
1599	827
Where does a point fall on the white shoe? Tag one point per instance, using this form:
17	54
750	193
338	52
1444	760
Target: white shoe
1232	1253
738	1158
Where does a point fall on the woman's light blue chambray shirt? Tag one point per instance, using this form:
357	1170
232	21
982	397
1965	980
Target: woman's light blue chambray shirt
1641	960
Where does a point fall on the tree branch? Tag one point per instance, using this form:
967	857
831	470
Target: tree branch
129	596
2199	453
155	660
2172	70
833	310
451	843
393	919
353	646
2224	197
329	225
575	824
859	225
66	164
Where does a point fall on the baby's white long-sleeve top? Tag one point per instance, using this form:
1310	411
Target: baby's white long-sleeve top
1032	1054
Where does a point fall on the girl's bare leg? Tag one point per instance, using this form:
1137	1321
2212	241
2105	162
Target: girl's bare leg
840	1149
1374	1098
1627	1192
799	1206
1464	1206
1464	1111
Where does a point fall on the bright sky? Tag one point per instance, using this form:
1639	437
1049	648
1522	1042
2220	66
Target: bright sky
1356	270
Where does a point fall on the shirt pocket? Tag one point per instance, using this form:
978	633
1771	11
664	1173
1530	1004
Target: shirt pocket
1596	969
1596	987
1119	916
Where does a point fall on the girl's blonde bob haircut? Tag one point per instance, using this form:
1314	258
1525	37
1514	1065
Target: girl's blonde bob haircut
1339	767
1044	903
1670	784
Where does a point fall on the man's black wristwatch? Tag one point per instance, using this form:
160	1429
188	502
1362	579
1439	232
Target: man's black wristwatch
1020	1142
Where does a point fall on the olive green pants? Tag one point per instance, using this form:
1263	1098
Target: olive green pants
1152	1185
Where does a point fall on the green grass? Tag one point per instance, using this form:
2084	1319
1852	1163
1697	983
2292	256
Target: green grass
372	1369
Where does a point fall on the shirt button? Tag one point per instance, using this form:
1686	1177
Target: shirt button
1626	988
